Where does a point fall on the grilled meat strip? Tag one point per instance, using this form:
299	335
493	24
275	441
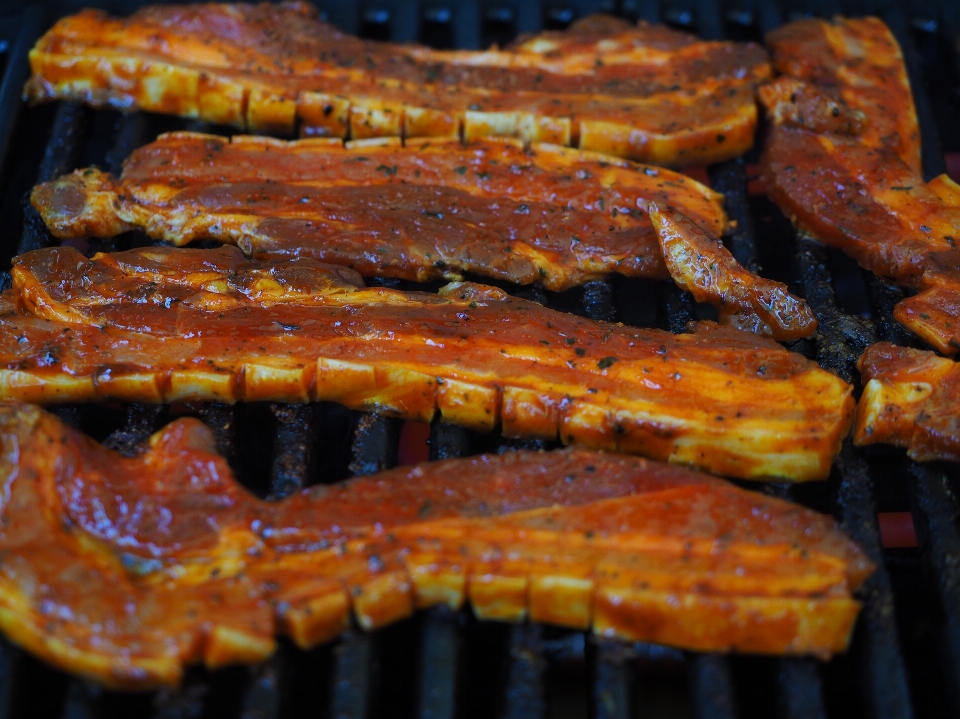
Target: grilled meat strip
911	398
842	160
647	93
545	214
124	570
165	324
701	264
850	79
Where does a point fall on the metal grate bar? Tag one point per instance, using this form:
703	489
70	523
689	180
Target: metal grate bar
131	133
799	691
676	307
840	338
142	421
439	649
799	687
440	635
84	700
936	517
222	420
62	154
730	178
355	676
449	440
262	689
374	444
709	675
353	680
613	675
931	151
524	696
294	449
711	686
11	660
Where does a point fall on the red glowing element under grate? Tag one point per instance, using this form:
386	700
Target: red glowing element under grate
413	446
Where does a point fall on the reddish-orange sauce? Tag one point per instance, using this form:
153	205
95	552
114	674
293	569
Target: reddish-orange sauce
126	569
433	209
166	324
842	160
648	93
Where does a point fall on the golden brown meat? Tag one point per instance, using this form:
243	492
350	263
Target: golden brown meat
436	208
124	570
911	398
842	161
701	264
647	93
857	66
165	324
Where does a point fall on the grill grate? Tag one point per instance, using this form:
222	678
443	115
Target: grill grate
905	656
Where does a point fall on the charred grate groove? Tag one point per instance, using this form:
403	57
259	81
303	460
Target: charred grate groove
882	673
840	338
711	686
800	695
439	664
142	420
937	517
524	696
293	449
613	675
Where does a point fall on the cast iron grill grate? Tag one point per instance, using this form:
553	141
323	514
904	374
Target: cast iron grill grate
905	657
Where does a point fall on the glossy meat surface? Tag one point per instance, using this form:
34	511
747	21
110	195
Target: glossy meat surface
699	263
856	64
842	161
911	399
544	214
167	324
647	93
124	570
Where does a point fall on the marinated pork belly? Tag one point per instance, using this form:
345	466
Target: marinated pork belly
437	208
123	570
701	264
167	324
647	93
842	161
911	398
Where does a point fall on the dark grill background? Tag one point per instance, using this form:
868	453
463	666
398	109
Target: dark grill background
905	656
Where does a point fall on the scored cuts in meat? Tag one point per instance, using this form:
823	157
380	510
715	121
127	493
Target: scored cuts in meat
646	92
124	570
165	324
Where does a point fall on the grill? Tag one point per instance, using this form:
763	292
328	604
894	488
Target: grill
905	656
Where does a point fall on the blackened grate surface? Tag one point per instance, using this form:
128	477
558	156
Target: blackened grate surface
905	657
